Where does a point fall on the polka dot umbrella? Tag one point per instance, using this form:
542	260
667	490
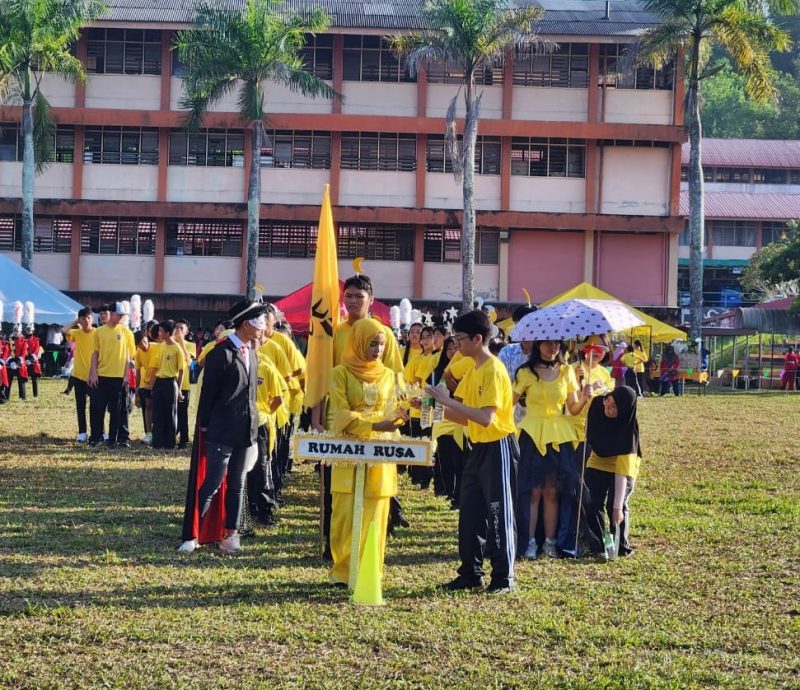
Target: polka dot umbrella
575	318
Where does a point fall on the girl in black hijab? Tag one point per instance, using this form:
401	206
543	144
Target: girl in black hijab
612	432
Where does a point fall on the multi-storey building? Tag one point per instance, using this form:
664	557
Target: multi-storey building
578	166
752	188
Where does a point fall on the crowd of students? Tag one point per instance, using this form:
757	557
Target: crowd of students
20	359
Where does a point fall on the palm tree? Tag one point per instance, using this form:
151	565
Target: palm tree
473	35
37	36
238	50
746	31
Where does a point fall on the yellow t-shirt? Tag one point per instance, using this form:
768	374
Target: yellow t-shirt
601	383
392	357
270	386
506	325
355	406
115	347
294	355
144	362
171	360
544	419
488	385
191	348
459	366
82	355
618	464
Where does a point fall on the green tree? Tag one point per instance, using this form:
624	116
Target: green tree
774	270
472	36
691	29
238	50
36	36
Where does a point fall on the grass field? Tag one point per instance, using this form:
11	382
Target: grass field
93	594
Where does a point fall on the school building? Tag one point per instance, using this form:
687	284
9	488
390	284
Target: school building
578	166
752	188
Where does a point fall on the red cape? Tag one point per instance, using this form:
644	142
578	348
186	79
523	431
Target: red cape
212	527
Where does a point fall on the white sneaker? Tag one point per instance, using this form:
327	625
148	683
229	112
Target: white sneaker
188	546
549	548
532	551
105	437
81	438
230	544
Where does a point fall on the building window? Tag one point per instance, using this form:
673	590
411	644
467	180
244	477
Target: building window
318	55
683	238
286	239
376	242
11	144
645	77
772	232
296	149
794	177
121	145
50	235
369	58
203	238
732	233
487	155
208	147
452	73
443	245
548	157
374	151
118	236
123	51
770	176
567	66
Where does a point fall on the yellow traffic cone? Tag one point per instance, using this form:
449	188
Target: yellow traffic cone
368	585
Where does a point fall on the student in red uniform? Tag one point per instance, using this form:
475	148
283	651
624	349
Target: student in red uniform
32	360
18	368
486	517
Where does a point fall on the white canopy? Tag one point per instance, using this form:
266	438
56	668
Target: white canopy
17	284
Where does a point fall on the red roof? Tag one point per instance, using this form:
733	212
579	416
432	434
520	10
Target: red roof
755	206
748	153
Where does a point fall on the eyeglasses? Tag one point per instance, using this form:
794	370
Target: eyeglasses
459	338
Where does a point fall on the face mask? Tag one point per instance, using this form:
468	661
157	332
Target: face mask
259	322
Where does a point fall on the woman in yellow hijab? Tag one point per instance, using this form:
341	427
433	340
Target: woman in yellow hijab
363	405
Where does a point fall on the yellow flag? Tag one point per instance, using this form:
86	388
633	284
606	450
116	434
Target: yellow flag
324	308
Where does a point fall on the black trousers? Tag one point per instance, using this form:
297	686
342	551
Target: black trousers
145	403
183	419
420	475
165	413
486	516
221	459
81	389
449	457
34	379
601	499
21	387
110	394
260	489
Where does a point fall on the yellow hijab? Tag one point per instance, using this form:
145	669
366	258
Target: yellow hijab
355	357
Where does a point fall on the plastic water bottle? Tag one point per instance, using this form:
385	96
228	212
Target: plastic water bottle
438	410
608	545
426	413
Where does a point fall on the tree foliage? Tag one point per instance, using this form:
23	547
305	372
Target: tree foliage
774	270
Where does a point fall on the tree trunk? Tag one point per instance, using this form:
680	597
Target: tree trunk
468	191
28	179
696	214
253	206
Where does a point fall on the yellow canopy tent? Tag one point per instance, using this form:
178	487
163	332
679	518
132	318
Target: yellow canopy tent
661	332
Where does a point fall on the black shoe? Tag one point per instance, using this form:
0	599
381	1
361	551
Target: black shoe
123	444
461	583
400	520
110	445
500	587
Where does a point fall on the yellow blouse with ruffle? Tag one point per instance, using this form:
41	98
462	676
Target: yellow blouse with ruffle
544	419
627	464
355	406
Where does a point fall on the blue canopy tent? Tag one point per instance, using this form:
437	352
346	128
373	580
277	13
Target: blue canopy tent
51	305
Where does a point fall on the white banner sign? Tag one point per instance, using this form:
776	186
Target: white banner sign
334	449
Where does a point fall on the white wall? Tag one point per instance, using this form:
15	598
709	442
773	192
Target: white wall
191	183
440	95
122	273
443	281
202	275
54	268
442	191
748	188
548	194
124	91
650	107
293	185
54	183
279	99
59	92
538	103
375	98
377	188
635	181
723	252
120	182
